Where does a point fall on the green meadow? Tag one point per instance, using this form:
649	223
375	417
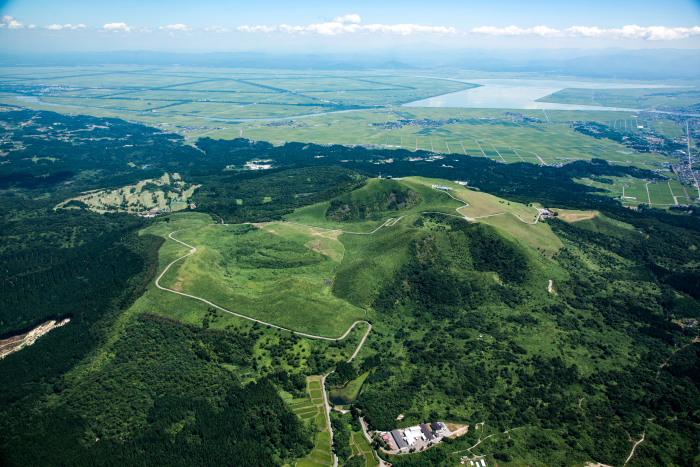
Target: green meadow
263	275
317	274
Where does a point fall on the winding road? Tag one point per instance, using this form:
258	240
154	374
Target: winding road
193	250
388	223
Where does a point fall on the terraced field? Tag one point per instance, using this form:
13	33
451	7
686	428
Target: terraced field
360	447
313	408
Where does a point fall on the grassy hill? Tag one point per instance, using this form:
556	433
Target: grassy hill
558	335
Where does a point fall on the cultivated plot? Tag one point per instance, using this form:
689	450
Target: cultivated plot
633	191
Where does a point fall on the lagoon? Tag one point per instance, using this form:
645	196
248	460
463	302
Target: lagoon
519	94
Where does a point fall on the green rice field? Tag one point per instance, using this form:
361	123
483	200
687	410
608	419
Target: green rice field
326	107
633	191
628	98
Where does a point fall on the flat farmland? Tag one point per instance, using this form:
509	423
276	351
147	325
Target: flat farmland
294	106
229	85
628	98
633	191
493	136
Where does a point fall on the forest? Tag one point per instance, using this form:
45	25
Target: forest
464	328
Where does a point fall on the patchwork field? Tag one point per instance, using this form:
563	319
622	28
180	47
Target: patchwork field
476	132
360	447
628	98
633	191
205	95
356	108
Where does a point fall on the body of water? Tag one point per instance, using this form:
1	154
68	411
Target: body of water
519	94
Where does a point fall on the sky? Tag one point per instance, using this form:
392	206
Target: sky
324	26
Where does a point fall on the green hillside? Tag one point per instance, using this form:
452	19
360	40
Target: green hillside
205	337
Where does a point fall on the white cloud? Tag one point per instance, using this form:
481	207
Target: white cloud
512	30
217	29
9	22
246	28
59	27
585	31
175	28
352	18
655	33
117	27
349	24
649	33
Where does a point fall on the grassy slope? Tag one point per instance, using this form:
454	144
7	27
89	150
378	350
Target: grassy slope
514	218
430	200
298	297
280	292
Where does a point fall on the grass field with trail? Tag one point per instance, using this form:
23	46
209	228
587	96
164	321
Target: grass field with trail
295	275
263	275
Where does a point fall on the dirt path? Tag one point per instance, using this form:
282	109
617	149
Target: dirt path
696	340
457	430
481	440
635	447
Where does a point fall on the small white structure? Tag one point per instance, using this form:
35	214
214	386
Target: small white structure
413	434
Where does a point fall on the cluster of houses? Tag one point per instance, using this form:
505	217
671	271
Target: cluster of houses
415	437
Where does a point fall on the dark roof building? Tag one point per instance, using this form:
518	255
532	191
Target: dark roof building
426	431
435	426
399	439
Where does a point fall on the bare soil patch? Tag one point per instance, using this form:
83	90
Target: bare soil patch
16	343
576	216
